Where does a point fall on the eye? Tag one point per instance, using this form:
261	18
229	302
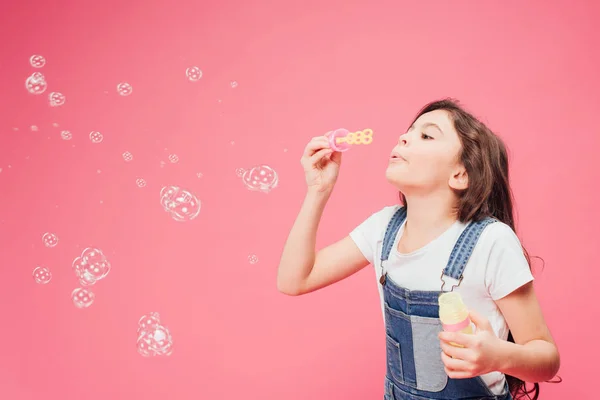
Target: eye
425	136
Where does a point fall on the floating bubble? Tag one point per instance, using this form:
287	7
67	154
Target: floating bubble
56	99
234	84
199	174
82	298
127	156
36	83
66	135
42	275
91	267
260	178
240	172
252	259
173	158
96	137
140	182
179	203
193	73
37	61
124	89
34	128
153	338
49	239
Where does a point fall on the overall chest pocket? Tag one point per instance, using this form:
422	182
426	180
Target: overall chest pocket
413	351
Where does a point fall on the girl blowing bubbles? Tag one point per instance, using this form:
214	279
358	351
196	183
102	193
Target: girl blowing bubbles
455	231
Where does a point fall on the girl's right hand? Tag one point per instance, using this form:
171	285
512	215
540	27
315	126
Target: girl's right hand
321	164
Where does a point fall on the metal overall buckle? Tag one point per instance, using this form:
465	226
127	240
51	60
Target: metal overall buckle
453	286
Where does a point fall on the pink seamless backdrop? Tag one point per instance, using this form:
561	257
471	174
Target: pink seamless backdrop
529	69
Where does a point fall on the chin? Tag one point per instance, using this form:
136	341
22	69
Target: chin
394	178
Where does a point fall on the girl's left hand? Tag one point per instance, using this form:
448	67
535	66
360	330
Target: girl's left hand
479	355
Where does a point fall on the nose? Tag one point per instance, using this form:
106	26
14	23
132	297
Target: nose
403	140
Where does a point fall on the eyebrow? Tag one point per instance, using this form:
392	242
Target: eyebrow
429	125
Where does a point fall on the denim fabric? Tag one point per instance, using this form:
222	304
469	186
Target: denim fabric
415	370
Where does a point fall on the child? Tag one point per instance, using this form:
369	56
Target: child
455	231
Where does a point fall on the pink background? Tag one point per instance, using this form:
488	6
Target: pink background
303	68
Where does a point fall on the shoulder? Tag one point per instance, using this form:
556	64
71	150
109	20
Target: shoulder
499	234
378	220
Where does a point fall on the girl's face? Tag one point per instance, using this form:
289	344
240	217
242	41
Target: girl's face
426	156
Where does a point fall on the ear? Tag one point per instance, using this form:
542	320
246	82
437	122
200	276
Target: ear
459	179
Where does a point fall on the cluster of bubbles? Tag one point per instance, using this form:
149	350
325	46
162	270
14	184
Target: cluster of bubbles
36	82
91	267
153	338
181	204
260	178
42	275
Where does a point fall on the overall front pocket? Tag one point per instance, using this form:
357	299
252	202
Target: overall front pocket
413	351
429	367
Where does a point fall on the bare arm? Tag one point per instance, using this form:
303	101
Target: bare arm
534	357
303	270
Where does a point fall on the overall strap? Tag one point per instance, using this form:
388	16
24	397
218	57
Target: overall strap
463	249
390	236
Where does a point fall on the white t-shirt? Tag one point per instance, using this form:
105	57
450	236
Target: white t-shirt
496	268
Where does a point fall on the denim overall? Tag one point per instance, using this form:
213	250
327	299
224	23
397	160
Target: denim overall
415	370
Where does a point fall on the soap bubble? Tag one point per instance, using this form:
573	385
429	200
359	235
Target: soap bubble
36	83
127	156
82	298
96	137
260	178
179	203
56	99
124	89
252	259
37	61
66	135
193	74
42	275
49	239
91	267
153	338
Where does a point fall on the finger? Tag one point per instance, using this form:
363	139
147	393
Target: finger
460	353
458	374
455	364
480	321
317	143
460	338
336	157
319	155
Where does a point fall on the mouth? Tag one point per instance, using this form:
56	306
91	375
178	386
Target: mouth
396	157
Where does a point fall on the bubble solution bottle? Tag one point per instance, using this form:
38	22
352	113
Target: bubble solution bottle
454	314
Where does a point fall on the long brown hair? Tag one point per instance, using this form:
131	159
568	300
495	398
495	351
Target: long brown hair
485	158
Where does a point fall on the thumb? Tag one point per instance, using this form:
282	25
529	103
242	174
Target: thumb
481	323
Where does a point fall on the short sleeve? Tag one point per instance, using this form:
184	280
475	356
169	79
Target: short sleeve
507	268
367	234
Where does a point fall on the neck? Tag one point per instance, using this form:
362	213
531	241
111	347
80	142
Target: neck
429	215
